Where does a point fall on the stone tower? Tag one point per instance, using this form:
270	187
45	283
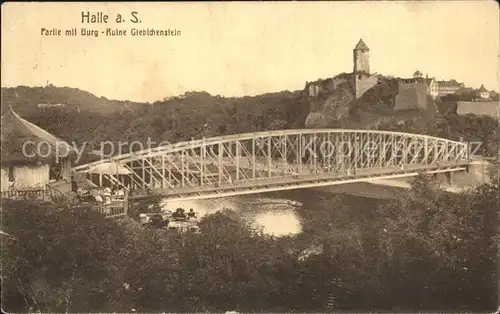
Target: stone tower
363	81
361	58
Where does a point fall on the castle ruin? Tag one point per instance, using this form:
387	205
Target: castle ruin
362	79
415	93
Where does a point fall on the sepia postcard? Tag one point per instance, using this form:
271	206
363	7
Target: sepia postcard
250	157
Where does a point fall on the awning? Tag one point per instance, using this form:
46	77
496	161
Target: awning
109	168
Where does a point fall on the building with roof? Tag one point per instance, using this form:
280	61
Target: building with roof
432	87
31	157
448	87
482	93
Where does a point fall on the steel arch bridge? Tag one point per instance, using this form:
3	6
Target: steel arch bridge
282	160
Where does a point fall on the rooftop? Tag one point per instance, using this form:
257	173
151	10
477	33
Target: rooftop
361	45
482	89
450	83
20	139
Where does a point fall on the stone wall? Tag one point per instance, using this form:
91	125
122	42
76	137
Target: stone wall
312	90
413	96
488	108
362	83
324	86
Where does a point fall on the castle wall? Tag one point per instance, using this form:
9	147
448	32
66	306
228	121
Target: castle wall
324	86
411	96
327	86
488	108
364	83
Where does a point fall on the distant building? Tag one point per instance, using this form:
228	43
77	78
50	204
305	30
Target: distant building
482	93
432	87
51	105
448	87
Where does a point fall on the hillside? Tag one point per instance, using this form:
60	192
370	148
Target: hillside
330	107
87	118
25	99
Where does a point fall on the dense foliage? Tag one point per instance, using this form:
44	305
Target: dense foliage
428	251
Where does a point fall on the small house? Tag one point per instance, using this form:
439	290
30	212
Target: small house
32	158
482	93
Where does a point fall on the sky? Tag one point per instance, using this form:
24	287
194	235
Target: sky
243	48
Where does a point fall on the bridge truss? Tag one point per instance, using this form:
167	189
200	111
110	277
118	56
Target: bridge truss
286	159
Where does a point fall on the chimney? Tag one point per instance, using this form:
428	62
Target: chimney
426	76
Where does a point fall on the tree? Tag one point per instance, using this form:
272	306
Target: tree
452	234
62	259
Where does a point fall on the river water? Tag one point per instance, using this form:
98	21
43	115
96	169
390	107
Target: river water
271	215
279	213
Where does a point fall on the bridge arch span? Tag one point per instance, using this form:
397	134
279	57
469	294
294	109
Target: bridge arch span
265	161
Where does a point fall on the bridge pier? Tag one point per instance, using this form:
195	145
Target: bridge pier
478	169
449	177
443	177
